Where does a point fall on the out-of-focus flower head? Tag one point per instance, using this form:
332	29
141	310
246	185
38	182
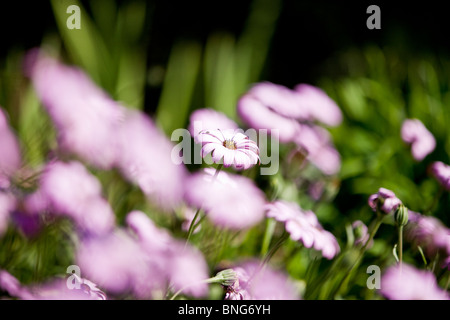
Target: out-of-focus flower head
320	107
231	146
209	119
384	200
361	233
270	106
441	172
145	159
408	283
316	141
293	114
86	118
429	233
229	200
255	282
422	141
69	189
182	265
54	289
303	226
12	286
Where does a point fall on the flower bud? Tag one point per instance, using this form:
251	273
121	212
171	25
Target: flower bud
401	215
226	277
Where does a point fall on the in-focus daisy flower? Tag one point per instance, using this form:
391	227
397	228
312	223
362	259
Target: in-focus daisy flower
409	283
229	200
429	233
441	172
231	146
209	119
422	141
317	104
145	159
303	226
384	200
256	283
10	158
70	190
86	118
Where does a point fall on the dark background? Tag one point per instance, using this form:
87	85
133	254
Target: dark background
307	32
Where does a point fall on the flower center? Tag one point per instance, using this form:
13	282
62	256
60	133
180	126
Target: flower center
229	144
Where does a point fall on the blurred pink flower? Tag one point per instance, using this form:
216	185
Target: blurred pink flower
229	200
69	189
182	265
235	148
54	289
209	119
260	116
409	283
317	104
422	141
361	233
303	226
86	118
316	141
429	233
441	172
142	261
145	159
7	204
117	263
280	99
57	289
10	158
12	286
384	200
260	283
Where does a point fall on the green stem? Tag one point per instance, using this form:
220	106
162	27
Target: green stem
274	249
400	246
193	225
376	226
210	280
270	228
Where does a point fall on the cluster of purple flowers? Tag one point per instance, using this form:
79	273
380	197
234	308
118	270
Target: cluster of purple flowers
142	260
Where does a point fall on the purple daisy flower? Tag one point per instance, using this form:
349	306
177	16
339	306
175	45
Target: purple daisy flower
441	172
259	116
231	146
316	141
69	189
409	283
86	118
145	159
303	226
384	200
361	233
429	233
260	283
318	104
209	119
422	141
229	200
183	265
